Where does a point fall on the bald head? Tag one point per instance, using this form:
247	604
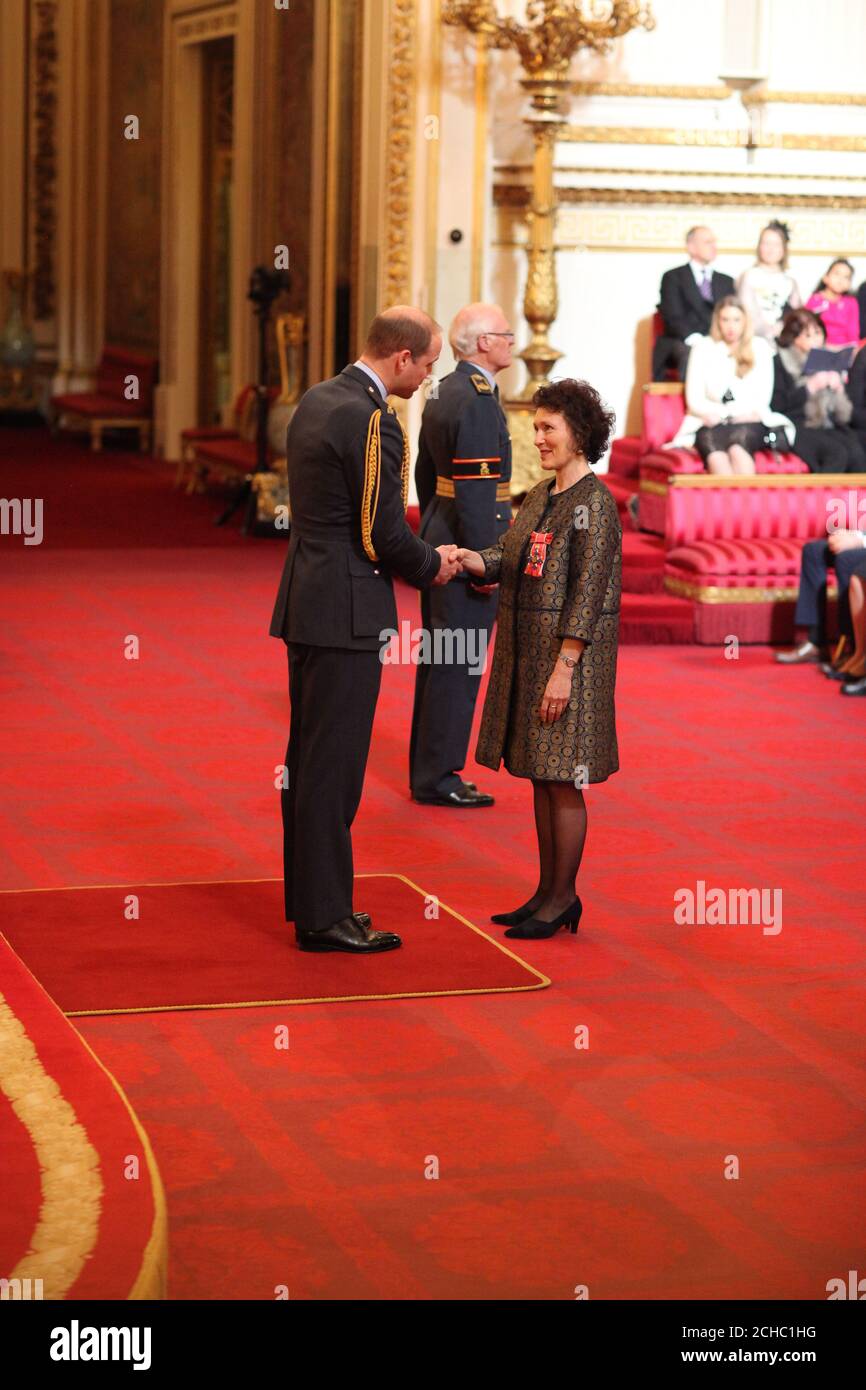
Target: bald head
481	333
402	345
701	244
401	326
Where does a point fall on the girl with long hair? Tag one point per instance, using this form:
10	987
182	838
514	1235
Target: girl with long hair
729	386
767	289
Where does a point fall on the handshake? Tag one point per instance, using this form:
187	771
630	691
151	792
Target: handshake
457	560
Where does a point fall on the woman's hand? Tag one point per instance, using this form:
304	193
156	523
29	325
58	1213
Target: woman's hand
711	418
818	380
557	694
471	563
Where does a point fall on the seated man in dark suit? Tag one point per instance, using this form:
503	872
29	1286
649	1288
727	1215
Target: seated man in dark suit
688	295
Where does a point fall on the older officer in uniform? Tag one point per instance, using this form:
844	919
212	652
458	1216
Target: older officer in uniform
462	476
348	471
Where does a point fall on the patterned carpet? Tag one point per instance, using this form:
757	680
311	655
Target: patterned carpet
314	1166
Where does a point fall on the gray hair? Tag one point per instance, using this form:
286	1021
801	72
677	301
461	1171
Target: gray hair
465	330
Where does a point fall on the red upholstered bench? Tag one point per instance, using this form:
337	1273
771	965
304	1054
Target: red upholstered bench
664	410
223	451
625	455
766	506
120	372
742	588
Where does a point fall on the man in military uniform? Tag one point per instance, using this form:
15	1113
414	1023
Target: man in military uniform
462	476
348	474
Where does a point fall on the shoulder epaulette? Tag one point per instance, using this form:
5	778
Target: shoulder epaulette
481	384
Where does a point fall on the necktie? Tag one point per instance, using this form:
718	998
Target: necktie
707	286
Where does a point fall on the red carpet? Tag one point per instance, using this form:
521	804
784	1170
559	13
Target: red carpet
558	1165
75	1215
211	945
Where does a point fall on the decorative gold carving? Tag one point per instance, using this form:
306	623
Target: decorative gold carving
519	196
525	465
554	31
766	98
625	230
711	593
720	92
479	192
272	491
207	26
72	1188
708	139
401	118
43	210
289	330
514	171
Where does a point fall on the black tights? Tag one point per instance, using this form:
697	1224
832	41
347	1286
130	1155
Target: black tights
560	823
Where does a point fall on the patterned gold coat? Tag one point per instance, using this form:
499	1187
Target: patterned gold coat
577	595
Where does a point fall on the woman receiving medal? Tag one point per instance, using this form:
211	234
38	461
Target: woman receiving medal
549	712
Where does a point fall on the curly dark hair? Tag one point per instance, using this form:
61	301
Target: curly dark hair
585	413
793	324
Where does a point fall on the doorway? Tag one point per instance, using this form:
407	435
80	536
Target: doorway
214	374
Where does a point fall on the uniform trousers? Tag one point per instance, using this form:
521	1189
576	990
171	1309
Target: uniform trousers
446	690
811	610
333	694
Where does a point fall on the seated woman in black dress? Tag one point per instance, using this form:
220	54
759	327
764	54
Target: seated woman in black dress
817	405
855	390
549	711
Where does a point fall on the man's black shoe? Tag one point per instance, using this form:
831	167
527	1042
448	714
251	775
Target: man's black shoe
463	796
351	935
857	687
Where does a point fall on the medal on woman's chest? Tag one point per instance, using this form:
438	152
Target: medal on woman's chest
539	541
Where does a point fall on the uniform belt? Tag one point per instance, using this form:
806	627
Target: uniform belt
445	488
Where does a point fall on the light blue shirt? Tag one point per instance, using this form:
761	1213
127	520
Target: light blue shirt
484	372
374	376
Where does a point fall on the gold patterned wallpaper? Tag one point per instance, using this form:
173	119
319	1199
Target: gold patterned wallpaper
658	228
287	197
134	173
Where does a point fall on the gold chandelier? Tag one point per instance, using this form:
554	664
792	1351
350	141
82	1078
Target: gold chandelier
546	43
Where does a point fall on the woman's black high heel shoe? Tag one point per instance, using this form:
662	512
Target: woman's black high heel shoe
511	919
532	929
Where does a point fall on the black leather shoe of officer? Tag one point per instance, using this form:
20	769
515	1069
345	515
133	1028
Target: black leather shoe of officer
464	795
857	687
350	935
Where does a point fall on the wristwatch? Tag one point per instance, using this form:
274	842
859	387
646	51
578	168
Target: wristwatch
568	660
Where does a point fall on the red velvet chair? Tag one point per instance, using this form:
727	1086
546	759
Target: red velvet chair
223	451
106	407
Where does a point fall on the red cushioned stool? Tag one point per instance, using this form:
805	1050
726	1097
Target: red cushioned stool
742	588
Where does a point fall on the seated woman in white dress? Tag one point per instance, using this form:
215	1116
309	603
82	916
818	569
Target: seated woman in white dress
729	385
767	290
